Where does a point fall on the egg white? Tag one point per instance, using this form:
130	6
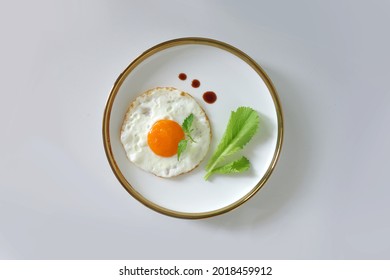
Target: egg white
154	105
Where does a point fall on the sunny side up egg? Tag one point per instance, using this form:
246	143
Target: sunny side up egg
152	129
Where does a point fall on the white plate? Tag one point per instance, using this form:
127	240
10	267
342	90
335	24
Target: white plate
238	81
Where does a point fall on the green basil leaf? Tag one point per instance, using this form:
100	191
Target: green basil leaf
181	148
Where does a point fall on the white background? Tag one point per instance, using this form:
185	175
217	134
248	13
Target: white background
328	197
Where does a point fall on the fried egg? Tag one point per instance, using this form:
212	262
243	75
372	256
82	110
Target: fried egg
151	132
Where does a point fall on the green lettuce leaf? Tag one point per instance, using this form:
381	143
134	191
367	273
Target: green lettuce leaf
242	126
236	166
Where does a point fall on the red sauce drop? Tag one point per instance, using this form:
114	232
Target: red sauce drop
195	83
209	97
182	76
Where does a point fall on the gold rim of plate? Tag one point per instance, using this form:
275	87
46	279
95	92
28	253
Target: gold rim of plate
131	67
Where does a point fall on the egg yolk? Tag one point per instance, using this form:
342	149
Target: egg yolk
164	137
